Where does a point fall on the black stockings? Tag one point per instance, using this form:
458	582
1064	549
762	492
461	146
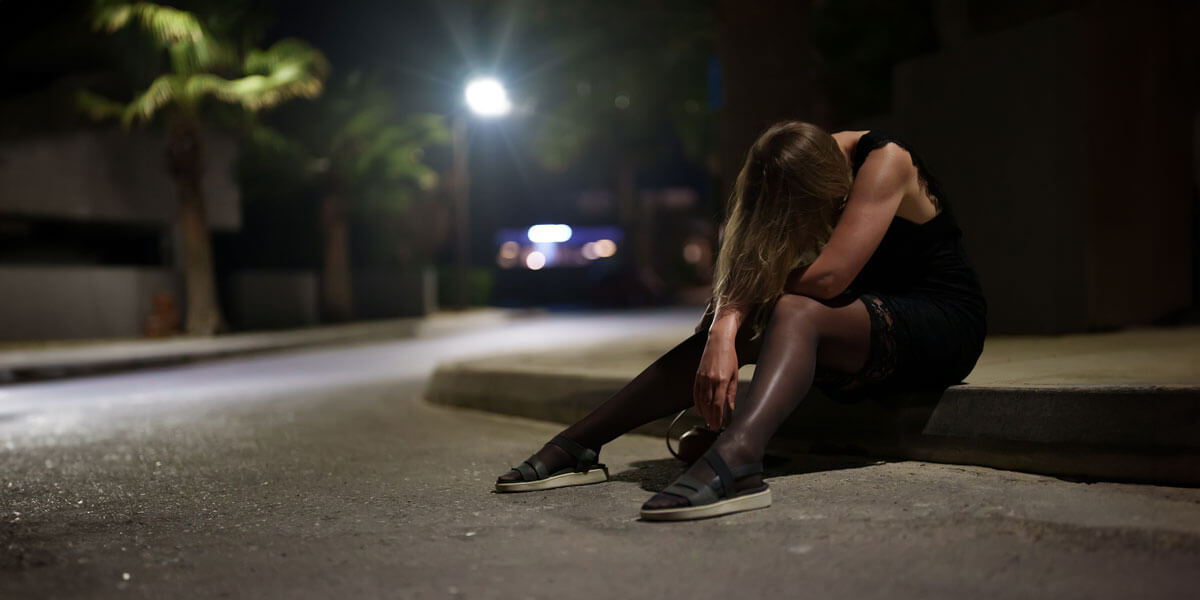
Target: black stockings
662	389
801	333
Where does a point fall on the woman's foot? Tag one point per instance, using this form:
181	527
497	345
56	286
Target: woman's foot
559	463
552	456
701	471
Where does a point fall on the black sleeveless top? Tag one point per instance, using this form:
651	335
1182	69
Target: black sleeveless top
928	313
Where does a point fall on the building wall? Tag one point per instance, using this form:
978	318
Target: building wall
79	302
273	298
1142	74
97	176
1064	145
110	175
1000	121
383	293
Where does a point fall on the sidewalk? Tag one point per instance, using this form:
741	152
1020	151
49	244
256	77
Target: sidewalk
71	358
1123	405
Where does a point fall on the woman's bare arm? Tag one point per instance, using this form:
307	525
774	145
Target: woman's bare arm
874	199
726	322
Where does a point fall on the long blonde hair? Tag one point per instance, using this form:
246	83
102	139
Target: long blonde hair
785	203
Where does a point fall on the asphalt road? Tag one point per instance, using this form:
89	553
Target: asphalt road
324	474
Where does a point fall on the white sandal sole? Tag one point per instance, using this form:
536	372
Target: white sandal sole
727	506
565	480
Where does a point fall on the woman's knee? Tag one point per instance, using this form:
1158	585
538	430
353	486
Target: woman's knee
792	310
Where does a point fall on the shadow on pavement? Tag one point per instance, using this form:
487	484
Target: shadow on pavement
654	475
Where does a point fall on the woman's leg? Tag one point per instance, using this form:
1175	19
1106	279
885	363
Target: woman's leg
801	333
662	389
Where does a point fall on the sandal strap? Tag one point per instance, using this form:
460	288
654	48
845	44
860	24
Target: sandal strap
526	471
585	458
696	492
747	470
532	469
719	467
722	486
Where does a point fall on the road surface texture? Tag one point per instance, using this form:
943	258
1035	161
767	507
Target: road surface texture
324	474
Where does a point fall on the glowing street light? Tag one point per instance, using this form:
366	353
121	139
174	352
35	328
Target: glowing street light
486	97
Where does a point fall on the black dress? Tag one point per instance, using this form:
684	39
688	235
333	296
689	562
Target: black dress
928	313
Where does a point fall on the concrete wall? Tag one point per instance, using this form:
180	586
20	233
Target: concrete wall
999	121
79	302
98	176
110	175
270	299
387	293
1142	77
1064	147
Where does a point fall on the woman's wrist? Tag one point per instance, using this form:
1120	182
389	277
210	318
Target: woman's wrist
725	324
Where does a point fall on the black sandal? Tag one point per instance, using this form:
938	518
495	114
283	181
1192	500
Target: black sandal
536	475
713	498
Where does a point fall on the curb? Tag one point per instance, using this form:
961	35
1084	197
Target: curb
88	359
1126	433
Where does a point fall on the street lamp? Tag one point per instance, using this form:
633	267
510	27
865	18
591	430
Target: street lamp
486	97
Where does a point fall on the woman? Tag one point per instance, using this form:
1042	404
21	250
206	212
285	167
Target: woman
842	265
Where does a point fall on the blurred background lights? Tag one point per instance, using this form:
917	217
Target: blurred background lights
509	250
692	252
535	260
549	234
487	97
507	258
604	248
589	251
555	246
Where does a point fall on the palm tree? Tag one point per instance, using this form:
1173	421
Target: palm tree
198	64
374	158
362	155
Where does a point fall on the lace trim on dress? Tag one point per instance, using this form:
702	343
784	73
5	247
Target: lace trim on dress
881	359
924	185
881	363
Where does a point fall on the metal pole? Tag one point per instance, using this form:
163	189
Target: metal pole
461	215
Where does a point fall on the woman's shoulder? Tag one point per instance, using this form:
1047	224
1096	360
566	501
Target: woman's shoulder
860	144
894	152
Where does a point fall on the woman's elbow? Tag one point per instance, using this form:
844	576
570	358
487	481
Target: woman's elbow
825	287
828	288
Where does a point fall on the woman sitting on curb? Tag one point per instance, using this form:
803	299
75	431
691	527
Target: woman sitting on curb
841	266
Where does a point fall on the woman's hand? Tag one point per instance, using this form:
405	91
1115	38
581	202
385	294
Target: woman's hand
715	387
716	381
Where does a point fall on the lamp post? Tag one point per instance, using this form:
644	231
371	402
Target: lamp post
487	98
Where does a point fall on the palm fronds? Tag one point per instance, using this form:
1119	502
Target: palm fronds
288	69
166	24
190	44
162	90
98	107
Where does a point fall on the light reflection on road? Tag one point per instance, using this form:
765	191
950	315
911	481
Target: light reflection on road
39	413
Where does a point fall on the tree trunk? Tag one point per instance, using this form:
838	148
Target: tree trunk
337	299
185	161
